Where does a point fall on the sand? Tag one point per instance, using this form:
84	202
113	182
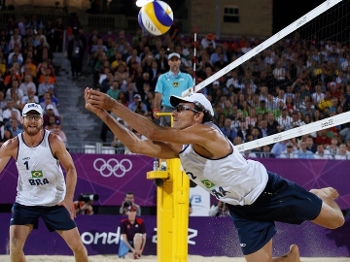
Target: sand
191	258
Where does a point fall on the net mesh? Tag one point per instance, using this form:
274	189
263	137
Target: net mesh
303	77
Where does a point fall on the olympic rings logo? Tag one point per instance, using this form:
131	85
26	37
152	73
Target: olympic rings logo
112	167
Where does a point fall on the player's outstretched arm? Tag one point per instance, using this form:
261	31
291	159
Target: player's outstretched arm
197	134
126	136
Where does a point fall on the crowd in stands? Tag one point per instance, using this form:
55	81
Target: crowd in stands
27	74
292	83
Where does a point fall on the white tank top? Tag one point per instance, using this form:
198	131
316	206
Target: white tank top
40	177
231	179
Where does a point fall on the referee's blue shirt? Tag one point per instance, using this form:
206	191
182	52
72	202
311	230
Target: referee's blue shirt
169	84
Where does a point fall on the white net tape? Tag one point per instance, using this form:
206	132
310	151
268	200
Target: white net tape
267	43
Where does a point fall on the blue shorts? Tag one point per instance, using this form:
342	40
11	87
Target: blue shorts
55	218
282	200
123	248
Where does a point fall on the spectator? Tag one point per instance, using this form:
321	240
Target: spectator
14	115
322	153
57	129
129	199
3	102
46	72
50	112
228	130
133	235
248	154
17	103
29	67
290	105
173	82
84	206
48	103
14	88
345	134
262	109
278	148
318	95
310	144
263	128
114	90
333	148
326	102
208	40
138	106
285	121
271	124
303	152
251	119
266	152
30	97
242	131
14	129
296	122
7	135
343	154
289	152
322	138
75	51
7	113
27	83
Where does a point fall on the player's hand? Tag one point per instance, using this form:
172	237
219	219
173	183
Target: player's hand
88	105
69	205
99	99
137	254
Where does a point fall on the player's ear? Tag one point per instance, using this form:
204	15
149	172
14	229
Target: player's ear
198	117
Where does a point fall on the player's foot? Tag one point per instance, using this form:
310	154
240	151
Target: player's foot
327	192
293	253
291	256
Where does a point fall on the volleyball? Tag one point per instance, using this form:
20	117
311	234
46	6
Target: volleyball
156	17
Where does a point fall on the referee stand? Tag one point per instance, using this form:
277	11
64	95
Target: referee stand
172	209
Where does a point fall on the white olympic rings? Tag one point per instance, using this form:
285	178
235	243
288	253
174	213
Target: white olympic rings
112	166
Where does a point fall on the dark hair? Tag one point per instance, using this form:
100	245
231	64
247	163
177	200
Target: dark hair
207	115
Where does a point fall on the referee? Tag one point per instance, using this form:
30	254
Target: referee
170	83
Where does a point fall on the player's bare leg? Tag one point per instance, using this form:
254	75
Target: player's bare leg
330	215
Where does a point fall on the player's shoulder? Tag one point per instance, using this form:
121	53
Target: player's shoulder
11	144
55	140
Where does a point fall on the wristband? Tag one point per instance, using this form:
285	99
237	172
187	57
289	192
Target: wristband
155	110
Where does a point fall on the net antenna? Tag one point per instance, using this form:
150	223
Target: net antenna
267	43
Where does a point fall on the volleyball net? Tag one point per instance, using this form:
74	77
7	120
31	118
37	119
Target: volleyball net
310	53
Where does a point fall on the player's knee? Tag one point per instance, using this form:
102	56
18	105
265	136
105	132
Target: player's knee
137	237
15	245
79	249
337	222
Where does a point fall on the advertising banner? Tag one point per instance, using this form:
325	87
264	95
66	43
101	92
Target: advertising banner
207	236
111	176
